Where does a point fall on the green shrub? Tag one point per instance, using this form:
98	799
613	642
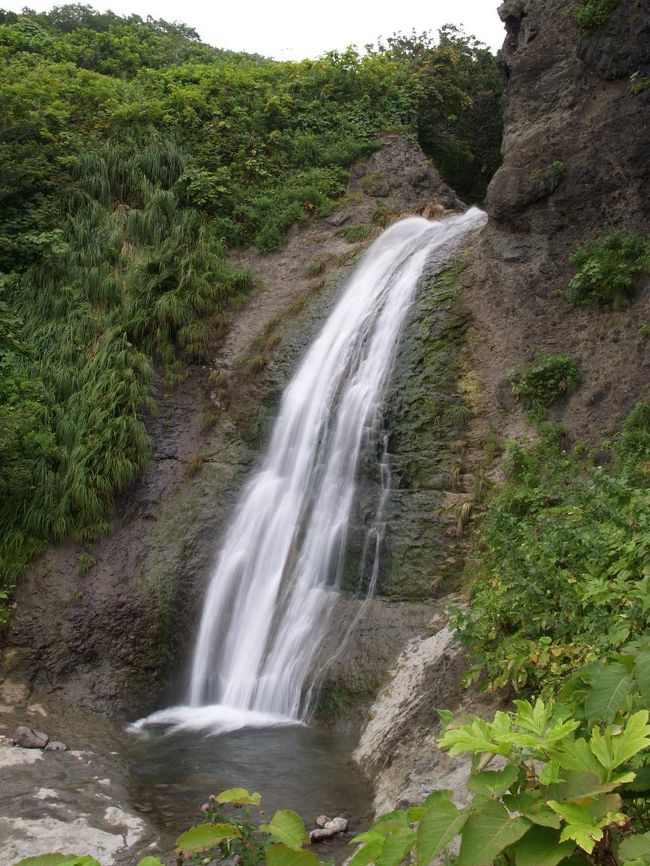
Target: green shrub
639	86
561	573
607	270
541	383
592	13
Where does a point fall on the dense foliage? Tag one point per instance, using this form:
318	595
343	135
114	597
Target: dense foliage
592	13
131	157
542	382
561	573
607	269
455	84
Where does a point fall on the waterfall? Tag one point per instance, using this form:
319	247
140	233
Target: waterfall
275	581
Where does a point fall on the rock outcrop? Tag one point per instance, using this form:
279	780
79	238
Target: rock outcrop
55	799
398	745
576	164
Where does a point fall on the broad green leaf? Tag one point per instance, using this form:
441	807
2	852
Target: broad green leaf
477	737
522	801
396	847
438	826
642	674
635	848
608	692
577	755
150	861
416	812
616	746
550	773
586	835
580	786
369	836
206	836
445	716
367	853
437	795
574	785
280	855
541	846
487	832
287	827
240	796
607	805
493	783
582	825
543	816
533	719
391	822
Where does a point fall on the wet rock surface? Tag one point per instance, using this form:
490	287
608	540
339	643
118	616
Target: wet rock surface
27	738
73	801
363	644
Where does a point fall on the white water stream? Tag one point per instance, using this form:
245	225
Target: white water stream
280	564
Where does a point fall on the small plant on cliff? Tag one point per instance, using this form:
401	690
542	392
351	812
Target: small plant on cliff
85	561
593	13
539	384
607	270
356	233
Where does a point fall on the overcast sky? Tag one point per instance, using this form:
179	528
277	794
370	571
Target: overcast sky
291	30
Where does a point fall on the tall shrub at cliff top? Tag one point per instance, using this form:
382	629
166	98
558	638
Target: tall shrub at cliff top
457	91
131	156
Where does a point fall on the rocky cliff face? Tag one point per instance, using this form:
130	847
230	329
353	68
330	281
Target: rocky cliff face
576	163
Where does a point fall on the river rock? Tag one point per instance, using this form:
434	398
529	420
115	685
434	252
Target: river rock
56	746
27	738
321	821
330	828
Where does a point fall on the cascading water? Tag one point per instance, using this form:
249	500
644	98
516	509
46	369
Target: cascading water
267	606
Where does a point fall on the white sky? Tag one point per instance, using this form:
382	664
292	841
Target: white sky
292	30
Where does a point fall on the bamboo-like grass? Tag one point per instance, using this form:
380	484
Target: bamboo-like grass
132	281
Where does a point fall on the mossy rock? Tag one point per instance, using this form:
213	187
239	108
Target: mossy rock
426	413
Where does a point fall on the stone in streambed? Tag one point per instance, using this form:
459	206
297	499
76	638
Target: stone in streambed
27	738
56	746
321	821
330	828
